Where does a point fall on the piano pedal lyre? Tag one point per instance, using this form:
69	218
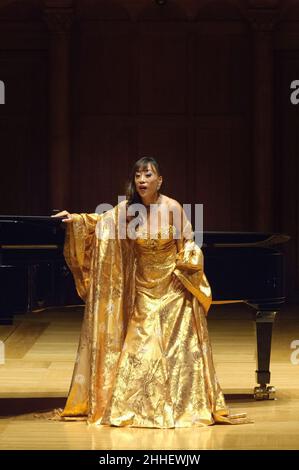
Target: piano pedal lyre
264	393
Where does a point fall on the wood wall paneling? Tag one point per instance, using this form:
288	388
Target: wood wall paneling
201	85
23	133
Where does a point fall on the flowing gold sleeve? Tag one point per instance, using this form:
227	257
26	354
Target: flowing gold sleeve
78	246
190	266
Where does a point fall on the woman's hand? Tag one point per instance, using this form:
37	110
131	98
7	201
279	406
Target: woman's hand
177	284
68	219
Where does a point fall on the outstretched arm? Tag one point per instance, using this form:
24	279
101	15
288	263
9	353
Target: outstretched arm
78	247
68	217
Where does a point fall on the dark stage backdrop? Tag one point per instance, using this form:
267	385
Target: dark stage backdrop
204	86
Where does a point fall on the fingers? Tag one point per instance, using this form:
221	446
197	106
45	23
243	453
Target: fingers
59	214
180	289
68	218
178	286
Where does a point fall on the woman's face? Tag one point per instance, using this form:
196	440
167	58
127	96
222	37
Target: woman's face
147	182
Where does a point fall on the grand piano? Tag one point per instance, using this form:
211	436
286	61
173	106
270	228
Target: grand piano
240	266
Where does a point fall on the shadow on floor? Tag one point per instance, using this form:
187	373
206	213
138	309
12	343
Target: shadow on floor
18	406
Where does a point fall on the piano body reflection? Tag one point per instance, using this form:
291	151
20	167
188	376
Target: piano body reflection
240	266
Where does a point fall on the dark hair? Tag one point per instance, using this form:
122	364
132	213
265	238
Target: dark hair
141	164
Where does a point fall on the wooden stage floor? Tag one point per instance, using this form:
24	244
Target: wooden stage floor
40	350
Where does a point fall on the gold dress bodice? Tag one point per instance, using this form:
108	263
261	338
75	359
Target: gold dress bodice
155	261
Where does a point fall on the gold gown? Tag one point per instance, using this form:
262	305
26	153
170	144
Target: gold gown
144	357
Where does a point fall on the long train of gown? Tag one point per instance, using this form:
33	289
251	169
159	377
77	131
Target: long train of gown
144	357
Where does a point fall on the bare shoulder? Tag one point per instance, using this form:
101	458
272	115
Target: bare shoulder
172	204
123	203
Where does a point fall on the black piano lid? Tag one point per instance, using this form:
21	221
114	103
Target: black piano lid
240	239
30	218
210	238
27	229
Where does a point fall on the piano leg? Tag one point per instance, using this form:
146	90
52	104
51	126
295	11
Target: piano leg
264	323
